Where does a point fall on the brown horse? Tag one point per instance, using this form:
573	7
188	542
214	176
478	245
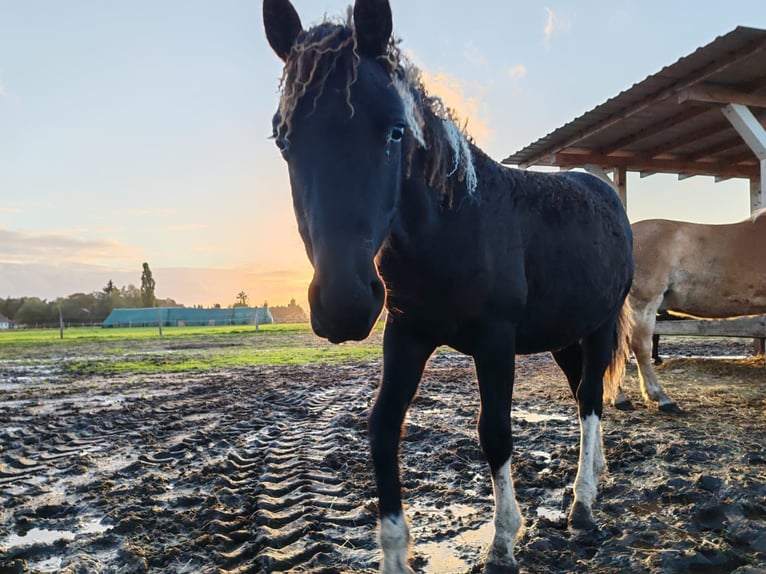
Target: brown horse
706	271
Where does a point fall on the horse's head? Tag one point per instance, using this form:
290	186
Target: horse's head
340	126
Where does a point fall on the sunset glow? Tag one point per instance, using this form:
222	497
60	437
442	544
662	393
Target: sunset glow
139	131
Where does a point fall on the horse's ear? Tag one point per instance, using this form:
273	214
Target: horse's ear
282	25
373	23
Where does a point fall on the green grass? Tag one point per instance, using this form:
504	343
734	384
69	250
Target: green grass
180	349
83	334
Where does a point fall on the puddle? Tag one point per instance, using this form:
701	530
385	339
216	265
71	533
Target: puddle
531	417
444	556
45	536
551	505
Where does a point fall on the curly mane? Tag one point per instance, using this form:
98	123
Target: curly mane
444	148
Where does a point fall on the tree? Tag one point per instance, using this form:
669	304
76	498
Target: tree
147	287
130	296
35	311
241	299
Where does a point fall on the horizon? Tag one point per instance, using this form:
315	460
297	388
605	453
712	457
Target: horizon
139	132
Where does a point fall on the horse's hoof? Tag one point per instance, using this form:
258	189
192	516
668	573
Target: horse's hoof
671	408
625	405
658	361
580	518
500	569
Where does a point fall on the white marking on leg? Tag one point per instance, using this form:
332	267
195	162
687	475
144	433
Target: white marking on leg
599	460
509	524
395	543
585	486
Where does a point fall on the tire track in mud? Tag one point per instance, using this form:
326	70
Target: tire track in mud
234	472
267	470
306	519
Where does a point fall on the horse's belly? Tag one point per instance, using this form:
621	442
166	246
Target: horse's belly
718	308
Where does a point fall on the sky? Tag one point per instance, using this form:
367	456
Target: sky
138	131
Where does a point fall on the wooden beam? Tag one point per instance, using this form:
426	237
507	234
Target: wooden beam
683	140
723	146
754	326
748	127
717	94
658	127
653	164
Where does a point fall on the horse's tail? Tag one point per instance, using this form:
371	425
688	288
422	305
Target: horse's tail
620	352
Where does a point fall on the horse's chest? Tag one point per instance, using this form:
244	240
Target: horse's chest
446	293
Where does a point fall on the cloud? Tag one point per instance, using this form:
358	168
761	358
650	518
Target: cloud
517	72
475	58
20	247
3	92
554	23
464	100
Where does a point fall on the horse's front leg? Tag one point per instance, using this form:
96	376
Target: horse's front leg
495	371
641	345
404	357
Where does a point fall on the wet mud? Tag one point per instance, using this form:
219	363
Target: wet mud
266	470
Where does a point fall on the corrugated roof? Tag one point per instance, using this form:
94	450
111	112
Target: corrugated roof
672	120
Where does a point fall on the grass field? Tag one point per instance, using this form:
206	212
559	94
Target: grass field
179	349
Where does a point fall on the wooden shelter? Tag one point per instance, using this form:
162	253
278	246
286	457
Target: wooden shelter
703	115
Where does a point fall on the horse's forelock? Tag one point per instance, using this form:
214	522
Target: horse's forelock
757	214
318	51
315	54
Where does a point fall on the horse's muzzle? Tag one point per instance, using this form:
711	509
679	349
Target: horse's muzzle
345	311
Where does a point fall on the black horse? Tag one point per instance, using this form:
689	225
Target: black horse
397	207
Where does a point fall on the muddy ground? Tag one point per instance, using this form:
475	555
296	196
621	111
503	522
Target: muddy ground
266	470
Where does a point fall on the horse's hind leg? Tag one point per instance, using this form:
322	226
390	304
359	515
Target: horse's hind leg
569	360
495	371
597	355
404	357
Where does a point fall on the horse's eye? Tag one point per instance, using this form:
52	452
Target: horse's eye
396	134
283	144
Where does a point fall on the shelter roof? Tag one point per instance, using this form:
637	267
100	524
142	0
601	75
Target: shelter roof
671	121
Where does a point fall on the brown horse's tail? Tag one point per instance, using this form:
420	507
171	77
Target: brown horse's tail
620	352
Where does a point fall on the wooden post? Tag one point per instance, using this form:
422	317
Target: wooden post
620	176
159	319
757	187
618	181
256	319
61	324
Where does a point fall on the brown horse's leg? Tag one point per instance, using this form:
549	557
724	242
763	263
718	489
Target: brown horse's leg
641	344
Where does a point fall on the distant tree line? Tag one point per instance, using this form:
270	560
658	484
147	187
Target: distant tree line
93	308
292	313
78	308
